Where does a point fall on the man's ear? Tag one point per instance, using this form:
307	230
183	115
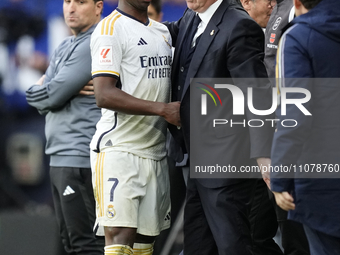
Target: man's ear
298	7
99	7
297	3
246	4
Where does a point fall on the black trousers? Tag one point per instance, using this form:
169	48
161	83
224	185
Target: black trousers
263	222
75	210
294	240
265	217
216	219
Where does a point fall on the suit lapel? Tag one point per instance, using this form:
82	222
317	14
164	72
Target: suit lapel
206	39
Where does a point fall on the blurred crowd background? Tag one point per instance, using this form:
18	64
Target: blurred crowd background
30	30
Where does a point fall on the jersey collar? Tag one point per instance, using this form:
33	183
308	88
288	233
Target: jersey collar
128	15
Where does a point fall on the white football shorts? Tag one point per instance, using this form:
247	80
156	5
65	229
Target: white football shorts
131	191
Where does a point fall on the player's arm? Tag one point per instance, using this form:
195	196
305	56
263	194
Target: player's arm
110	97
58	88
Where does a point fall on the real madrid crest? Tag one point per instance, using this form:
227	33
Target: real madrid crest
111	212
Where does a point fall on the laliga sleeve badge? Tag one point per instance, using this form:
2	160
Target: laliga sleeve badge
105	55
111	212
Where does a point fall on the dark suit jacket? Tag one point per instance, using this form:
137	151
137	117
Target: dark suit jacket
231	46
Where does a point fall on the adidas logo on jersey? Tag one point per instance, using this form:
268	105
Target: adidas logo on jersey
68	191
167	217
108	143
142	42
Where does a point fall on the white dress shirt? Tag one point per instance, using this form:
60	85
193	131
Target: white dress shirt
205	18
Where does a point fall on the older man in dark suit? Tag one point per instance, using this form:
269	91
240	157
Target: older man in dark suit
226	44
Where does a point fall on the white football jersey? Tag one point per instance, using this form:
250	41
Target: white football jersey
140	56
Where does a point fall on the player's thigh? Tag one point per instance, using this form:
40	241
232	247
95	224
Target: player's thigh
154	210
118	186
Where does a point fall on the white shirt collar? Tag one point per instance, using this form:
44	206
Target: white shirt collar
206	16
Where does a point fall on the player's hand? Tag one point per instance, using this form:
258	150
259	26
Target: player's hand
41	80
171	114
284	200
264	165
87	90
